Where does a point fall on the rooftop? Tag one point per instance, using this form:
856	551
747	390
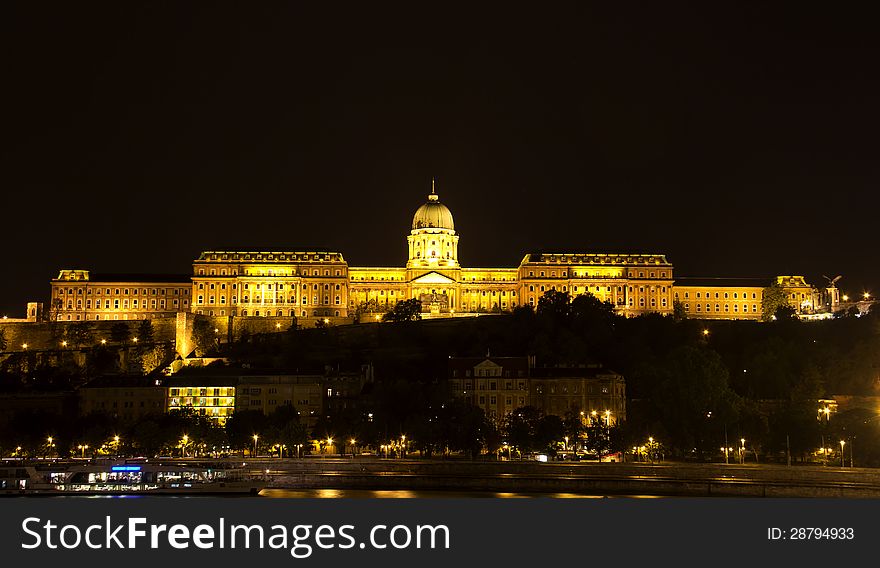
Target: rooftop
722	282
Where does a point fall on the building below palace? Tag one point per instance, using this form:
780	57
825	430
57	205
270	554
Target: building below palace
318	285
218	395
499	385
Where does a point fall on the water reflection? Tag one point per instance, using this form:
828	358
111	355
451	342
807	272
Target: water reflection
420	494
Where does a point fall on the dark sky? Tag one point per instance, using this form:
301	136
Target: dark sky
737	141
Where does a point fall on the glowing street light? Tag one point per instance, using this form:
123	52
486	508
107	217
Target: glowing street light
867	295
63	344
135	339
705	333
255	437
24	345
82	448
103	342
842	443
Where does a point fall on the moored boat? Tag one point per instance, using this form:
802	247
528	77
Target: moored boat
125	478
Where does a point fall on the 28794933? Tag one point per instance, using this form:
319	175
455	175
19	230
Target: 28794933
810	533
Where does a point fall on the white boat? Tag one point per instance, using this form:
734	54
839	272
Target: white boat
128	479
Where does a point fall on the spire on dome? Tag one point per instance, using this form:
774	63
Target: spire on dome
433	196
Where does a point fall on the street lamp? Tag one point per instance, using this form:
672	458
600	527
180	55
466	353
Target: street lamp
329	443
842	443
742	451
705	333
255	437
82	448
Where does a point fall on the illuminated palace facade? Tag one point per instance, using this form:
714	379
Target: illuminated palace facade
313	285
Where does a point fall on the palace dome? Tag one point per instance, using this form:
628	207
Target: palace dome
433	214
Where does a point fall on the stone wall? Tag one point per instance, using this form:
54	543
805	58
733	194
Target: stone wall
43	336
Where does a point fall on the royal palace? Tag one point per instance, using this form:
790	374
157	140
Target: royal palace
319	285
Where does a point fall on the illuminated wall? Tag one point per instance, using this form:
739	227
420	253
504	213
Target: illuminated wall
305	284
215	401
78	295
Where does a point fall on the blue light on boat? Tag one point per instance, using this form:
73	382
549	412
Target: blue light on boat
125	468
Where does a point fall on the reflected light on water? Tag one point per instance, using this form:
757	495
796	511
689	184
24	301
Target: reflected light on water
425	494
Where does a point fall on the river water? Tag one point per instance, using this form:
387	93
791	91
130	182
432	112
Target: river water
422	494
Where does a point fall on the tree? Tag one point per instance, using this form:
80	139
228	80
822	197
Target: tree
785	312
548	432
371	306
80	334
773	298
204	337
285	427
678	311
120	333
689	385
242	425
554	306
406	310
521	426
55	308
145	332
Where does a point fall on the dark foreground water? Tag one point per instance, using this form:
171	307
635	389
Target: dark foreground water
420	494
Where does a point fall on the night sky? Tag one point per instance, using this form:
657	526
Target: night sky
738	142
